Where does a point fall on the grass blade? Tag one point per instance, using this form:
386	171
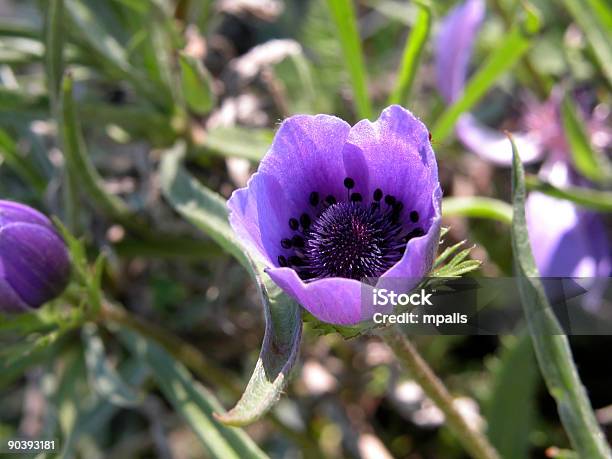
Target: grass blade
54	46
502	59
194	402
589	162
477	207
412	56
596	33
585	197
345	20
551	345
196	83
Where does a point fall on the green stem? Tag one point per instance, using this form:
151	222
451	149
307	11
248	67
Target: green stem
473	440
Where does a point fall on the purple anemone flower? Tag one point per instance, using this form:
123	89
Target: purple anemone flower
567	241
333	204
34	262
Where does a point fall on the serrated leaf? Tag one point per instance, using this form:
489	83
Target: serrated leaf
550	344
194	402
208	211
103	377
196	83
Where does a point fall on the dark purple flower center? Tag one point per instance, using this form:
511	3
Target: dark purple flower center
349	238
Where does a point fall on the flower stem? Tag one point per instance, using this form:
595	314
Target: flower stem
473	440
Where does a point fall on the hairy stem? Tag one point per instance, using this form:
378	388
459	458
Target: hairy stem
473	440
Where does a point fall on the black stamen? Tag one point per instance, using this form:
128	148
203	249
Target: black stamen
356	197
349	183
286	243
398	206
414	216
296	261
294	224
378	194
417	232
305	221
282	261
330	200
313	199
389	200
297	241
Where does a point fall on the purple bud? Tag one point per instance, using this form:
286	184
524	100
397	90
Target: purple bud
34	261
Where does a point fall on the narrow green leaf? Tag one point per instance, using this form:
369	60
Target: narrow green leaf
603	11
251	144
54	45
505	55
208	211
199	205
196	83
80	165
585	197
477	207
596	33
510	411
343	15
102	376
194	402
551	345
589	162
412	55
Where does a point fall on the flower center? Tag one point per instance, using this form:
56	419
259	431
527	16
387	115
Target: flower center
350	239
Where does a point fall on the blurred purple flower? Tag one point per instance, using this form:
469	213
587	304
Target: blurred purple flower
566	240
332	204
34	262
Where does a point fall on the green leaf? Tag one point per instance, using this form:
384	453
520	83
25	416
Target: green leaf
585	197
89	418
251	144
278	354
208	211
192	401
196	83
589	162
102	376
596	33
551	345
477	207
343	15
54	46
510	411
505	55
79	164
412	55
199	205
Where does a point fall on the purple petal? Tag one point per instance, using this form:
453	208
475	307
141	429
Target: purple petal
454	47
333	300
492	145
420	251
399	158
11	212
35	260
566	241
259	214
306	156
